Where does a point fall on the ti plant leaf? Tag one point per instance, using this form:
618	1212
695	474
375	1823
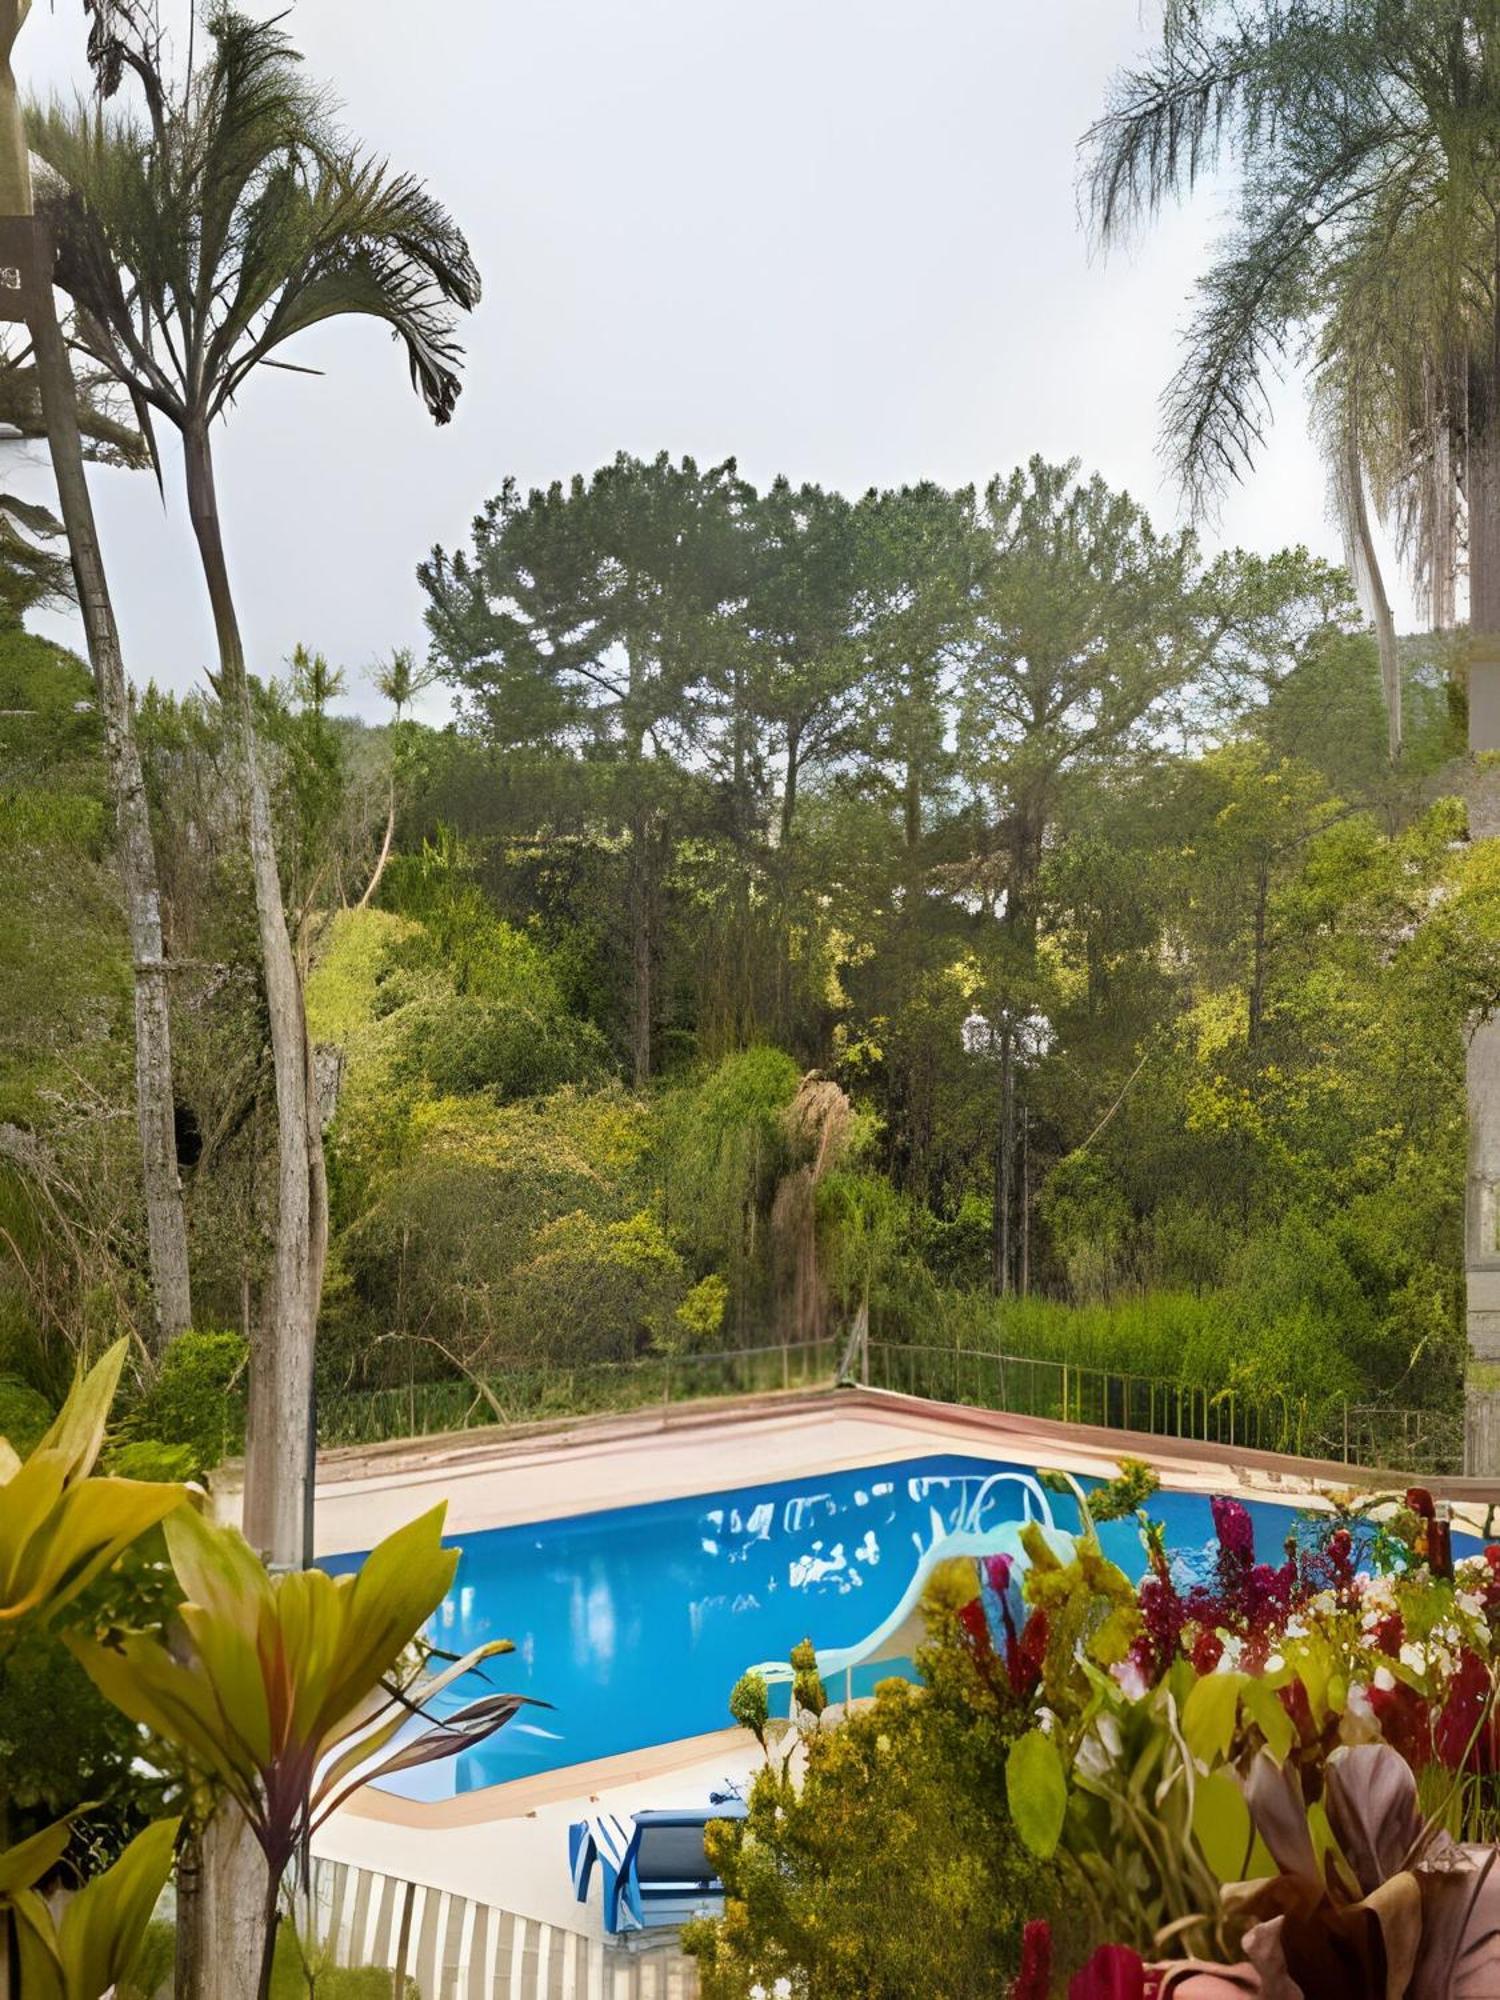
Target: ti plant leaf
59	1528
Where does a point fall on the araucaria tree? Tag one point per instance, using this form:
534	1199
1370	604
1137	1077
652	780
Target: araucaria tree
196	241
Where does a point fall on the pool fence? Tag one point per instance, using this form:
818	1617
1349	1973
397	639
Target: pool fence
1391	1436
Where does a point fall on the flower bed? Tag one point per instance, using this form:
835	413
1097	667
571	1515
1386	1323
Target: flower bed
1278	1778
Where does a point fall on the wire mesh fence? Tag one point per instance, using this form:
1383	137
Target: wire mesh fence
534	1392
1398	1439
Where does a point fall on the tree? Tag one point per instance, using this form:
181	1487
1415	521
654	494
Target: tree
45	399
586	620
1093	636
1364	138
195	245
400	680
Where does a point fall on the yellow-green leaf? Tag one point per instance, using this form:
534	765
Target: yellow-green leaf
1209	1715
1037	1789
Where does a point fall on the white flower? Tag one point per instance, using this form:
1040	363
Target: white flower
1413	1657
1357	1724
1385	1680
1129	1679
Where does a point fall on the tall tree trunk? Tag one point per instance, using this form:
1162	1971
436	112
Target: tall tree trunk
1366	566
642	945
385	849
1442	502
279	1443
1482	1205
1484	525
223	1955
166	1219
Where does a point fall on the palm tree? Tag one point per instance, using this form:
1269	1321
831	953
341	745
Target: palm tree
196	243
400	680
40	397
1366	134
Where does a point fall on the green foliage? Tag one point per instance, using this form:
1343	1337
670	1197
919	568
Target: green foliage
750	1705
24	1415
891	1867
61	1745
303	1970
195	1405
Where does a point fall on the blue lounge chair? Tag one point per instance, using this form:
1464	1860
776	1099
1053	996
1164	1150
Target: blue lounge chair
655	1871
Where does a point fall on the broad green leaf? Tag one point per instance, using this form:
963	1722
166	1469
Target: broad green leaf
78	1430
29	1860
1037	1789
99	1937
1264	1707
400	1584
1221	1825
144	1682
1209	1715
90	1526
36	1945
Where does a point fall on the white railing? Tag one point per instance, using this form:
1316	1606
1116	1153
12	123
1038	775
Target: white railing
456	1949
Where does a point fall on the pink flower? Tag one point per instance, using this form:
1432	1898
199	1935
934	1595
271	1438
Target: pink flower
1115	1972
1034	1980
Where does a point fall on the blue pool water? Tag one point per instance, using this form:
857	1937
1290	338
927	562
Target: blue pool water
635	1622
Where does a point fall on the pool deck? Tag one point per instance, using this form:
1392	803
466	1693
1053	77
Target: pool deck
507	1844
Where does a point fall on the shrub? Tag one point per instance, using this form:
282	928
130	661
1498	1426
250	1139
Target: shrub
909	1791
463	1045
24	1415
197	1399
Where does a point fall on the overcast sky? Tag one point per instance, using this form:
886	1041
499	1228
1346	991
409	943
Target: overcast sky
834	238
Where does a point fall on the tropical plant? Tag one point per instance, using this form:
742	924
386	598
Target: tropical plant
400	679
292	1690
60	1528
1363	135
195	245
89	1951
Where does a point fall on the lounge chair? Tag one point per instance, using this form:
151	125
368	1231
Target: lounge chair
655	1871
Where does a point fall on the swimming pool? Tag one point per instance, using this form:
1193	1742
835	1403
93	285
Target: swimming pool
635	1622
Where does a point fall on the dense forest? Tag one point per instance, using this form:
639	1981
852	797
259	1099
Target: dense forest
976	906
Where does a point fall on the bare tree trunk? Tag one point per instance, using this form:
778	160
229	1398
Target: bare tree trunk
278	1450
221	1923
1366	566
642	945
1442	556
385	850
1484	526
227	1915
166	1219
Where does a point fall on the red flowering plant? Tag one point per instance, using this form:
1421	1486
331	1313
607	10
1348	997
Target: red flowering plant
1149	1702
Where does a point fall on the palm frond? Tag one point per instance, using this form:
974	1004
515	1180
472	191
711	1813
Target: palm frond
197	245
